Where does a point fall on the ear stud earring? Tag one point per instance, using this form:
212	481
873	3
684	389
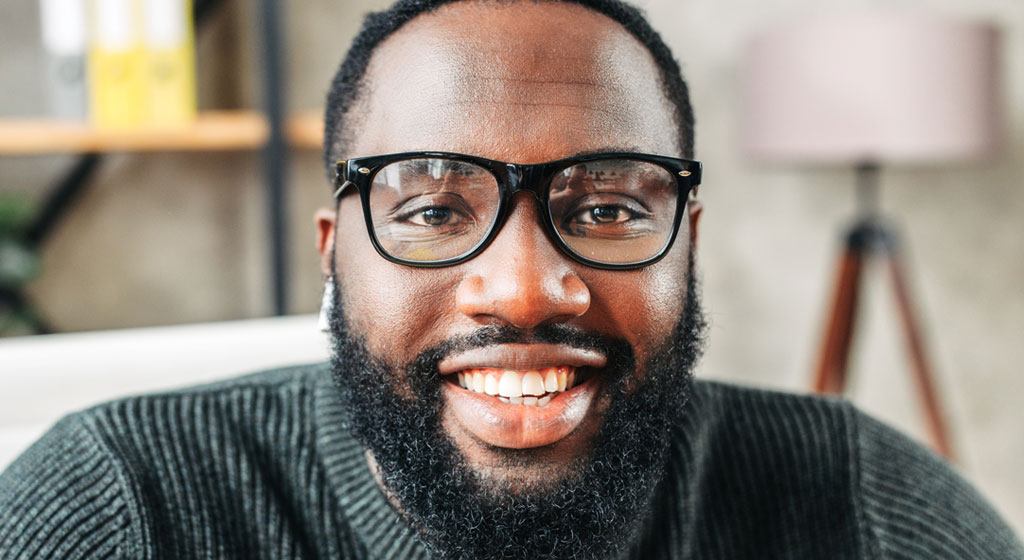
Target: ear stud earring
324	322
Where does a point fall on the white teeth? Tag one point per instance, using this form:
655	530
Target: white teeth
510	385
550	379
533	384
503	399
491	384
534	387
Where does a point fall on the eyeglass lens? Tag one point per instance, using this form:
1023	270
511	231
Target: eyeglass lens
431	209
615	211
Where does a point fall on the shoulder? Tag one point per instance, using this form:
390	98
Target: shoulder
829	465
65	495
824	424
232	409
88	487
916	502
792	450
244	417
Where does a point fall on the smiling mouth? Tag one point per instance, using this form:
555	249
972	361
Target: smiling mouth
530	388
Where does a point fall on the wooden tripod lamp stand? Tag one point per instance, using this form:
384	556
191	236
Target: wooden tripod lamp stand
864	91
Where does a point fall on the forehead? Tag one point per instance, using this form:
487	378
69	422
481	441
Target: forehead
523	82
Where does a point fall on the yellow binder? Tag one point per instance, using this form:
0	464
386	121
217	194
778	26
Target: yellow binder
170	62
117	60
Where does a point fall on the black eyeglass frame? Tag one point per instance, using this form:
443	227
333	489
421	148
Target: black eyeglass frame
512	178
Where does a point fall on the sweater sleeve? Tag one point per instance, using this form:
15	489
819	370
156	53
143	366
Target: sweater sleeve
63	498
916	506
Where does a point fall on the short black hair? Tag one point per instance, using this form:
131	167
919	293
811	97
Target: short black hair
378	26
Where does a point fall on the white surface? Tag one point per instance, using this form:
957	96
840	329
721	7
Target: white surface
45	377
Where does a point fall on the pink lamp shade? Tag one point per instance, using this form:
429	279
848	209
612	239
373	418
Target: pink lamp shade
879	88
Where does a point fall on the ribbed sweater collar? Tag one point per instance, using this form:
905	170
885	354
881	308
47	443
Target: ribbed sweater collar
382	530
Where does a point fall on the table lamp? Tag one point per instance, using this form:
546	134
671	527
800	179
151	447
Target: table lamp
864	91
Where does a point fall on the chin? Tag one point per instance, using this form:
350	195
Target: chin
519	471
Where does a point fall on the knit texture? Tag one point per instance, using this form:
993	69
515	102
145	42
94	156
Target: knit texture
263	466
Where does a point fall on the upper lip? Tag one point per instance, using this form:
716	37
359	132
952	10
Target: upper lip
522	357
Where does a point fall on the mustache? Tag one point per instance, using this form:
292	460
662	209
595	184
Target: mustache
423	372
618	351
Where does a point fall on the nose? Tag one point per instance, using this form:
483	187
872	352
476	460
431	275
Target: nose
521	279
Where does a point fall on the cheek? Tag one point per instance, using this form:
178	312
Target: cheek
643	306
397	311
666	286
395	308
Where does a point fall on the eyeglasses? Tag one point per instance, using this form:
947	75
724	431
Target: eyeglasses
606	210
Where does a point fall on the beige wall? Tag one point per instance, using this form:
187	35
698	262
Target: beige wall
170	238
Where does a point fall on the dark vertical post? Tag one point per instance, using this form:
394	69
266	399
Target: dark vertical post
60	201
275	152
867	190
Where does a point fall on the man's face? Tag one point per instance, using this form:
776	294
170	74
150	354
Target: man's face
524	83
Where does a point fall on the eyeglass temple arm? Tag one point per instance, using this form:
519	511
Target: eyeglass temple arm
696	183
338	175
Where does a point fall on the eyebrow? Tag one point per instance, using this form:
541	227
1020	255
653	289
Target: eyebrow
608	149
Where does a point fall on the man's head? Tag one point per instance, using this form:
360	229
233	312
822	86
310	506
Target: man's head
521	82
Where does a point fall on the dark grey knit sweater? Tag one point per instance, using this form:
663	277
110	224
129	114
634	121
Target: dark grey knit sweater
263	467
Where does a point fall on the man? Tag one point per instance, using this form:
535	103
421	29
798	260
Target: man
513	348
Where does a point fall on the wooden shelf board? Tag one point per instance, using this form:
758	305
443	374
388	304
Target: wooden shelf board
214	130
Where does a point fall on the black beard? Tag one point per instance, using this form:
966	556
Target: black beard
594	511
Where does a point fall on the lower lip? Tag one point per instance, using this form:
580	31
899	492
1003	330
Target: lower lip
518	426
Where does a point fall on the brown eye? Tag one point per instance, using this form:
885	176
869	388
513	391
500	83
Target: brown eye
605	214
436	216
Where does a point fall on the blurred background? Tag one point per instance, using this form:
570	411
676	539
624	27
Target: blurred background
171	232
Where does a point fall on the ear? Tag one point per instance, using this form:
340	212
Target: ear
325	219
694	209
